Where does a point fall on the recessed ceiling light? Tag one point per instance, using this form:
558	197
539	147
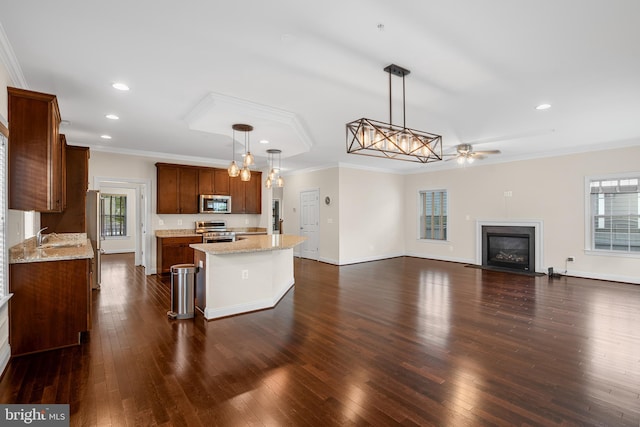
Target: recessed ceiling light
120	86
112	117
543	107
264	141
105	136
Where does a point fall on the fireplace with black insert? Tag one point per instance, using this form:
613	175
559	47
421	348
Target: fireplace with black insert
509	248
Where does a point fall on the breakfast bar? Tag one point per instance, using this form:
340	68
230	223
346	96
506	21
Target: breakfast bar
252	273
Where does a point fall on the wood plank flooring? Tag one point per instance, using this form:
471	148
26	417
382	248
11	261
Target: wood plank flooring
403	341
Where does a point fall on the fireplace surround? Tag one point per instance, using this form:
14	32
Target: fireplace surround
510	245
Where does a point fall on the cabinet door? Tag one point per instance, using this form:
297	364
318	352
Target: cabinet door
167	191
206	180
221	181
35	156
253	194
237	191
73	218
188	190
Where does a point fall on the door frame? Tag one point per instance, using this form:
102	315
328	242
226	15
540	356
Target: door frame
142	188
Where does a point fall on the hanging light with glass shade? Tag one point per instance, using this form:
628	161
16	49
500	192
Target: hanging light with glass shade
271	177
245	173
280	180
233	168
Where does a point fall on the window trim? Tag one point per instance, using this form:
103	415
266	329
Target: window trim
588	236
419	215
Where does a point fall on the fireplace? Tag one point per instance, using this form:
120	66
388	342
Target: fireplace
509	247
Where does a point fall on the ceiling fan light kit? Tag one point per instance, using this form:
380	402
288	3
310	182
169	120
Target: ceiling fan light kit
386	140
465	154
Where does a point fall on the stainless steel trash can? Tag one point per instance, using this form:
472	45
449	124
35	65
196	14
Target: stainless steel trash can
182	291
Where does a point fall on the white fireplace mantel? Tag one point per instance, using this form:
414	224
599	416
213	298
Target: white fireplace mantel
537	224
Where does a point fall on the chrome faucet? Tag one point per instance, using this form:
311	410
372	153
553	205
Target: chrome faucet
39	236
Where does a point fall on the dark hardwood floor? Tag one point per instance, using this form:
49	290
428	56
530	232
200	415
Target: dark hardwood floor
403	341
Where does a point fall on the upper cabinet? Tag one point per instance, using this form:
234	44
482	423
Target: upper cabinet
73	219
36	152
179	187
177	191
246	196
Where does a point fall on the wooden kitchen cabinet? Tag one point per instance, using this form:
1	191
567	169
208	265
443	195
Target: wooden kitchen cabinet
73	218
213	181
51	305
36	152
174	250
177	191
206	181
246	196
221	187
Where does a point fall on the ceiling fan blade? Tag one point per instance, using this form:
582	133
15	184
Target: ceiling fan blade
477	156
485	152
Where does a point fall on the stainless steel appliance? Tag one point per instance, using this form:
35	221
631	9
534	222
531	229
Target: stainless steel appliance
214	232
94	209
211	203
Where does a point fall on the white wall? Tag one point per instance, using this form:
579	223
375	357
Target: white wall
371	215
547	189
326	181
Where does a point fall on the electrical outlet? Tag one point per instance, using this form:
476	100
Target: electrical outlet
179	222
508	194
571	259
245	274
160	222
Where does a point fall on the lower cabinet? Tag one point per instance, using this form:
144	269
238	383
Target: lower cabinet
174	250
51	305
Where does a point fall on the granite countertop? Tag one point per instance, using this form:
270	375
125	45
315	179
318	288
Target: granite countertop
184	232
251	243
56	247
190	232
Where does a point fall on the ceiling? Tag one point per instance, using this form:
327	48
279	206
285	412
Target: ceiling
299	71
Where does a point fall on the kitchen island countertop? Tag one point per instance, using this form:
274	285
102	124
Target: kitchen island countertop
251	243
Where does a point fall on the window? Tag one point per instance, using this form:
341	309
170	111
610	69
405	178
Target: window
433	215
615	214
3	219
114	215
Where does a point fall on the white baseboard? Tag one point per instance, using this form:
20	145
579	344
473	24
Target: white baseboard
442	258
607	277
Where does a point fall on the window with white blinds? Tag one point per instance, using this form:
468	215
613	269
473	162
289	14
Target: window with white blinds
615	214
3	217
433	215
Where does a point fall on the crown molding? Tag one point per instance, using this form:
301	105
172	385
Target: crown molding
8	58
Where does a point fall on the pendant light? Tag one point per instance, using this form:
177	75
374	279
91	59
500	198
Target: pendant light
245	173
233	168
280	180
271	177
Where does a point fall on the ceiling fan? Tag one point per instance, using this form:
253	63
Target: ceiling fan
466	154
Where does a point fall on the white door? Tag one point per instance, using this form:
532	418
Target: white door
309	223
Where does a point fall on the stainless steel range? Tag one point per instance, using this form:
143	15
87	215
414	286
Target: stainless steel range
214	232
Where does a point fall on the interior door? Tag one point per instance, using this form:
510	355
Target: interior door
310	223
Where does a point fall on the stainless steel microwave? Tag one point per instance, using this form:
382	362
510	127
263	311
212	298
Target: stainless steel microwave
210	203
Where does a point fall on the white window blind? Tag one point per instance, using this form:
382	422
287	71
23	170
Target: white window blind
433	215
615	214
3	217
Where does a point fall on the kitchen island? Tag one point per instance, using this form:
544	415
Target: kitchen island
252	273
